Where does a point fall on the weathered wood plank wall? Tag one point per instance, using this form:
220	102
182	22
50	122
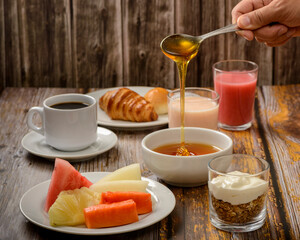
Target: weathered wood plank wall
105	43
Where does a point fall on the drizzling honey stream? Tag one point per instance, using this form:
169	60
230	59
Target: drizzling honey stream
181	49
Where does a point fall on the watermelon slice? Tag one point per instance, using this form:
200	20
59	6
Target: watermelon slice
64	177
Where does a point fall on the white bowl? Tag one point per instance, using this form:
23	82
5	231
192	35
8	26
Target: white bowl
183	171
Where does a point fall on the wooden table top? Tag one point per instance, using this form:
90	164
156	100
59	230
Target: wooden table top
274	136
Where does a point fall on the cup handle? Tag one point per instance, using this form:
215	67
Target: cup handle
31	112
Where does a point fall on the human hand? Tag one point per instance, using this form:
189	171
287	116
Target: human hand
271	21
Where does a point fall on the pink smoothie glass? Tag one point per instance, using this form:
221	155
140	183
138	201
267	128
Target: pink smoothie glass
235	81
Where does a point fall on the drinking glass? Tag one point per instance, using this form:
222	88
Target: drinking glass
201	108
238	186
235	81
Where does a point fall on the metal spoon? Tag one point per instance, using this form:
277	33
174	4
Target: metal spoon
184	45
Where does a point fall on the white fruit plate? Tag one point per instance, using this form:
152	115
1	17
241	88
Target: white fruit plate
32	207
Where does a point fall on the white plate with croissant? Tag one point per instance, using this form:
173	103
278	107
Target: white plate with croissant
132	107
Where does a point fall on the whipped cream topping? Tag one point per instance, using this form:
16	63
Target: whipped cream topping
237	187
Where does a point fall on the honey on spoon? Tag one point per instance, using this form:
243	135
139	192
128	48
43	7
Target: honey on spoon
181	48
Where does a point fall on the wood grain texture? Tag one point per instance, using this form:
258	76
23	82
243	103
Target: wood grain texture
287	65
281	113
45	50
12	44
212	49
97	46
144	26
274	136
76	43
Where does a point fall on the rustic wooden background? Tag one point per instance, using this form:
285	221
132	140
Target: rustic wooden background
106	43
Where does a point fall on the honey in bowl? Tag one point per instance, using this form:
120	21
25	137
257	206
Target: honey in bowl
193	149
181	49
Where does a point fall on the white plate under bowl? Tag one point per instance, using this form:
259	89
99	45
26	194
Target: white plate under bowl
36	144
104	119
32	207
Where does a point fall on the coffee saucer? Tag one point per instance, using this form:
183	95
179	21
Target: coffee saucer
36	144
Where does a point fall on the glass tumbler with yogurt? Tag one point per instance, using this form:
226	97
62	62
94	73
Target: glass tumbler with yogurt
238	186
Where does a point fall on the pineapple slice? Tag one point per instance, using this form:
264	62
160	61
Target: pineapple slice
130	172
68	208
122	185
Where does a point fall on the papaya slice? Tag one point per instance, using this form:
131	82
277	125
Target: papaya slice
143	200
111	215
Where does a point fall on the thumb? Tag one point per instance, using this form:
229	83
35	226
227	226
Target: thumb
257	18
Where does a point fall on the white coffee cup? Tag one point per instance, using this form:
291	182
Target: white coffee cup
67	129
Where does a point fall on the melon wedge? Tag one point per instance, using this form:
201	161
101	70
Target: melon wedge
130	172
122	185
64	177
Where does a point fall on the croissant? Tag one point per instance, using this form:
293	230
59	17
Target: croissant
125	104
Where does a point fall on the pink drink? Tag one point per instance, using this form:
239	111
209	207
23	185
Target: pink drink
237	93
199	112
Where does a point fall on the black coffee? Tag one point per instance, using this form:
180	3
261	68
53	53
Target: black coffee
70	105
